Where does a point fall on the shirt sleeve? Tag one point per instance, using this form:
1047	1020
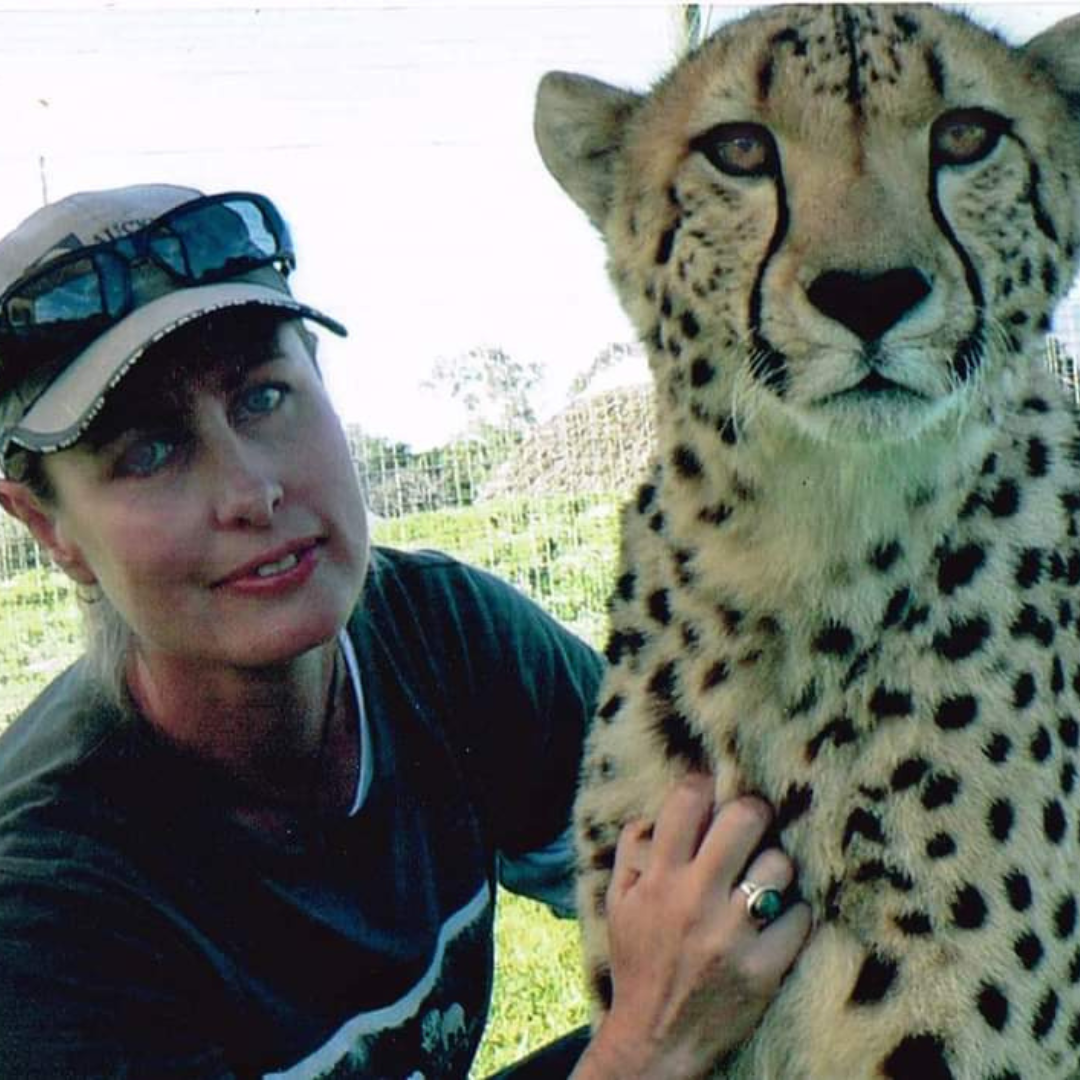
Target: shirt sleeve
546	875
514	691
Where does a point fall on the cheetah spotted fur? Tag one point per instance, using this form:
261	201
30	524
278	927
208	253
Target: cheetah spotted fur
850	579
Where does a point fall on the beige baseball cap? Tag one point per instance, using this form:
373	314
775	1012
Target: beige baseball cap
50	394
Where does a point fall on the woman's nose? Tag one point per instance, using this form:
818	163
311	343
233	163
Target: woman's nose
248	490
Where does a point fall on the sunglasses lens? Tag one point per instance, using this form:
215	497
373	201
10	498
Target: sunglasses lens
75	291
215	240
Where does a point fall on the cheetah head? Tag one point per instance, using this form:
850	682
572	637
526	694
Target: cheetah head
854	220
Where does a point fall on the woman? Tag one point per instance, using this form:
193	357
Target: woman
256	830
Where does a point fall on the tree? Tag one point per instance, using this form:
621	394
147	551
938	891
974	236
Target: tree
494	389
608	357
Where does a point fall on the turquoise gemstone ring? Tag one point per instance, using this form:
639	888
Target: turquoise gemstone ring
763	902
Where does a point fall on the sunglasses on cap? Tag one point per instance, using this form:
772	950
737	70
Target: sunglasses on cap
75	297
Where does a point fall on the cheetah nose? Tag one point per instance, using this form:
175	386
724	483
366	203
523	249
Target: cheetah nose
868	304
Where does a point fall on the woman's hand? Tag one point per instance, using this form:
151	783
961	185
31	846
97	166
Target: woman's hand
692	972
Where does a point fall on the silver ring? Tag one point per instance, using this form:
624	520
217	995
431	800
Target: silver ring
763	902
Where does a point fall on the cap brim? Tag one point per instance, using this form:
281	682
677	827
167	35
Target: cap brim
64	411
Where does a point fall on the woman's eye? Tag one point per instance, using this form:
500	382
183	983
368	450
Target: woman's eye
260	399
738	149
146	456
965	136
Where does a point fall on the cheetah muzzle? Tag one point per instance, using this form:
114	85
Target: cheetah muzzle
850	578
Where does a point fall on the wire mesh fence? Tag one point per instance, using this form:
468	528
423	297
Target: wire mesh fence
538	507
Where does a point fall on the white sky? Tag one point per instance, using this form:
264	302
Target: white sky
397	141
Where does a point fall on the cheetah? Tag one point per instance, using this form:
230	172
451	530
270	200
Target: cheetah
849	579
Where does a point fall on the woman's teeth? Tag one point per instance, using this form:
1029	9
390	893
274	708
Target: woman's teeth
279	567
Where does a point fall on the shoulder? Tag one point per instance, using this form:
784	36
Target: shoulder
64	726
456	626
427	592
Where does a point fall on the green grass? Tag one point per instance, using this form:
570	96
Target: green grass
40	634
539	990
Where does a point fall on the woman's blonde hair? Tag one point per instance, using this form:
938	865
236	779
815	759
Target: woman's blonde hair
108	637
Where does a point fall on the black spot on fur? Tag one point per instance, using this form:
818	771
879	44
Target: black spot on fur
956	713
862	823
858	668
645	498
1038	457
1034	624
940	791
715	515
681	742
1065	917
968	908
1005	501
625	587
716	674
1057	676
1069	731
664	247
690	326
662	682
1045	1015
765	75
936	70
909	773
623	642
797	801
838	731
964	637
611	707
874	870
897	606
1000	819
701	372
940	846
958	568
1068	778
659	604
1018	890
993	1006
886	703
806	701
884	556
1024	690
907	25
921	1056
1029	569
1054	824
834	639
998	748
876	977
914	924
1049	276
1029	950
1041	746
686	462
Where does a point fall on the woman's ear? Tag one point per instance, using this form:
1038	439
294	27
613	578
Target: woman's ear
21	503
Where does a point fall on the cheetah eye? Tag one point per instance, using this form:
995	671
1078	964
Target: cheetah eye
964	136
738	149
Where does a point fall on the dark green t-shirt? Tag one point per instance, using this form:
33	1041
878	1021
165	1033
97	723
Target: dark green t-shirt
144	931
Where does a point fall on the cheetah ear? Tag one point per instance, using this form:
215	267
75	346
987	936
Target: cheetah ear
579	125
1057	50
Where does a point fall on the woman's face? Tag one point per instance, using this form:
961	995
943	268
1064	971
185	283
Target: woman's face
220	511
